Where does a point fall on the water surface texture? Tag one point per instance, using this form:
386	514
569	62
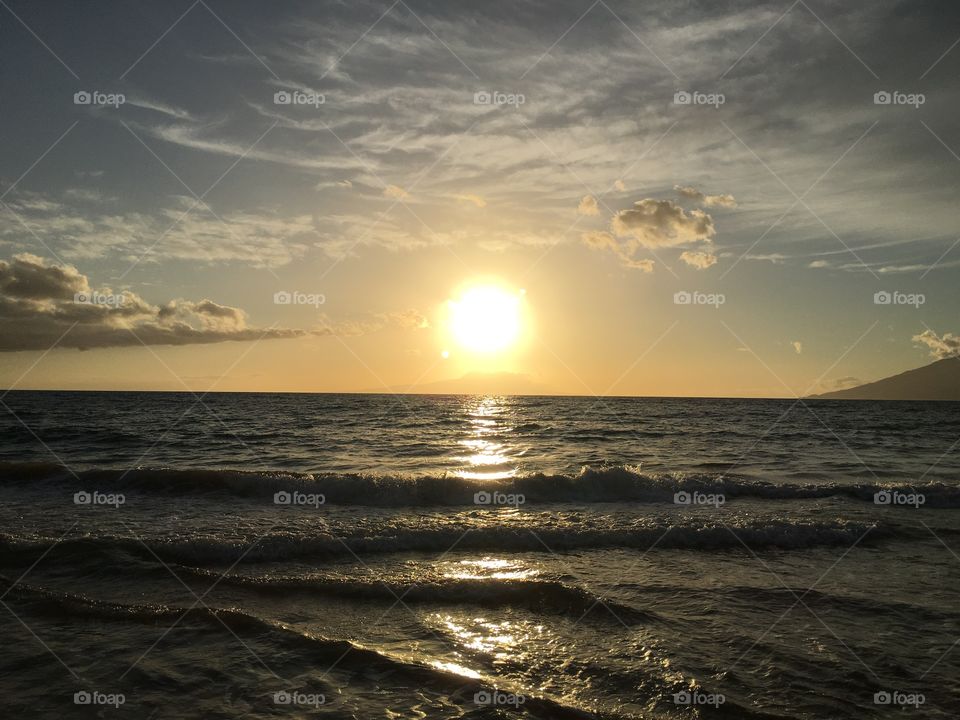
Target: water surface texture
365	556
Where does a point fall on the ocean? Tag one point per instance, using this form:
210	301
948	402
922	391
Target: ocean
170	555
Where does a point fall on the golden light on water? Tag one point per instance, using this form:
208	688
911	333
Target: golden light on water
485	458
455	668
490	568
500	639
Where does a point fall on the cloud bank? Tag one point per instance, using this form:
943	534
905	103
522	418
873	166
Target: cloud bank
43	305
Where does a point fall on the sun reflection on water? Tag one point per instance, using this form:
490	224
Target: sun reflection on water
455	668
486	459
489	568
501	639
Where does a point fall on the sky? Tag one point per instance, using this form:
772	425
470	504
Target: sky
677	198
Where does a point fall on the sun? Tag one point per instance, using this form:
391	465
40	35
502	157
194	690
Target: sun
486	318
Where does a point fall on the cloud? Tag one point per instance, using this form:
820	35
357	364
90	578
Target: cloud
941	346
843	383
698	260
401	320
797	346
470	198
191	136
623	250
160	107
183	229
819	264
44	305
87	195
324	184
691	193
663	223
29	278
396	192
772	258
618	184
642	265
588	206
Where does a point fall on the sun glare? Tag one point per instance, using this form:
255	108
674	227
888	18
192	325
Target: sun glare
486	319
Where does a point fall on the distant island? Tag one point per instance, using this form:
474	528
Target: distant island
938	381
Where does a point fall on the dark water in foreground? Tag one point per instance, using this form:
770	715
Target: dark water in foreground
469	557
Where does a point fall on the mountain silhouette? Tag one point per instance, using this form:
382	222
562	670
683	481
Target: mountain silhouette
937	381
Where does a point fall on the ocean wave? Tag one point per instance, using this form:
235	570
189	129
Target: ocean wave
686	534
346	655
778	598
540	595
589	485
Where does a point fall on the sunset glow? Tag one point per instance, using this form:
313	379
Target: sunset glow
486	319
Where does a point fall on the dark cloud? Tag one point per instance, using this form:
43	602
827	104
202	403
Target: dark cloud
29	278
43	304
